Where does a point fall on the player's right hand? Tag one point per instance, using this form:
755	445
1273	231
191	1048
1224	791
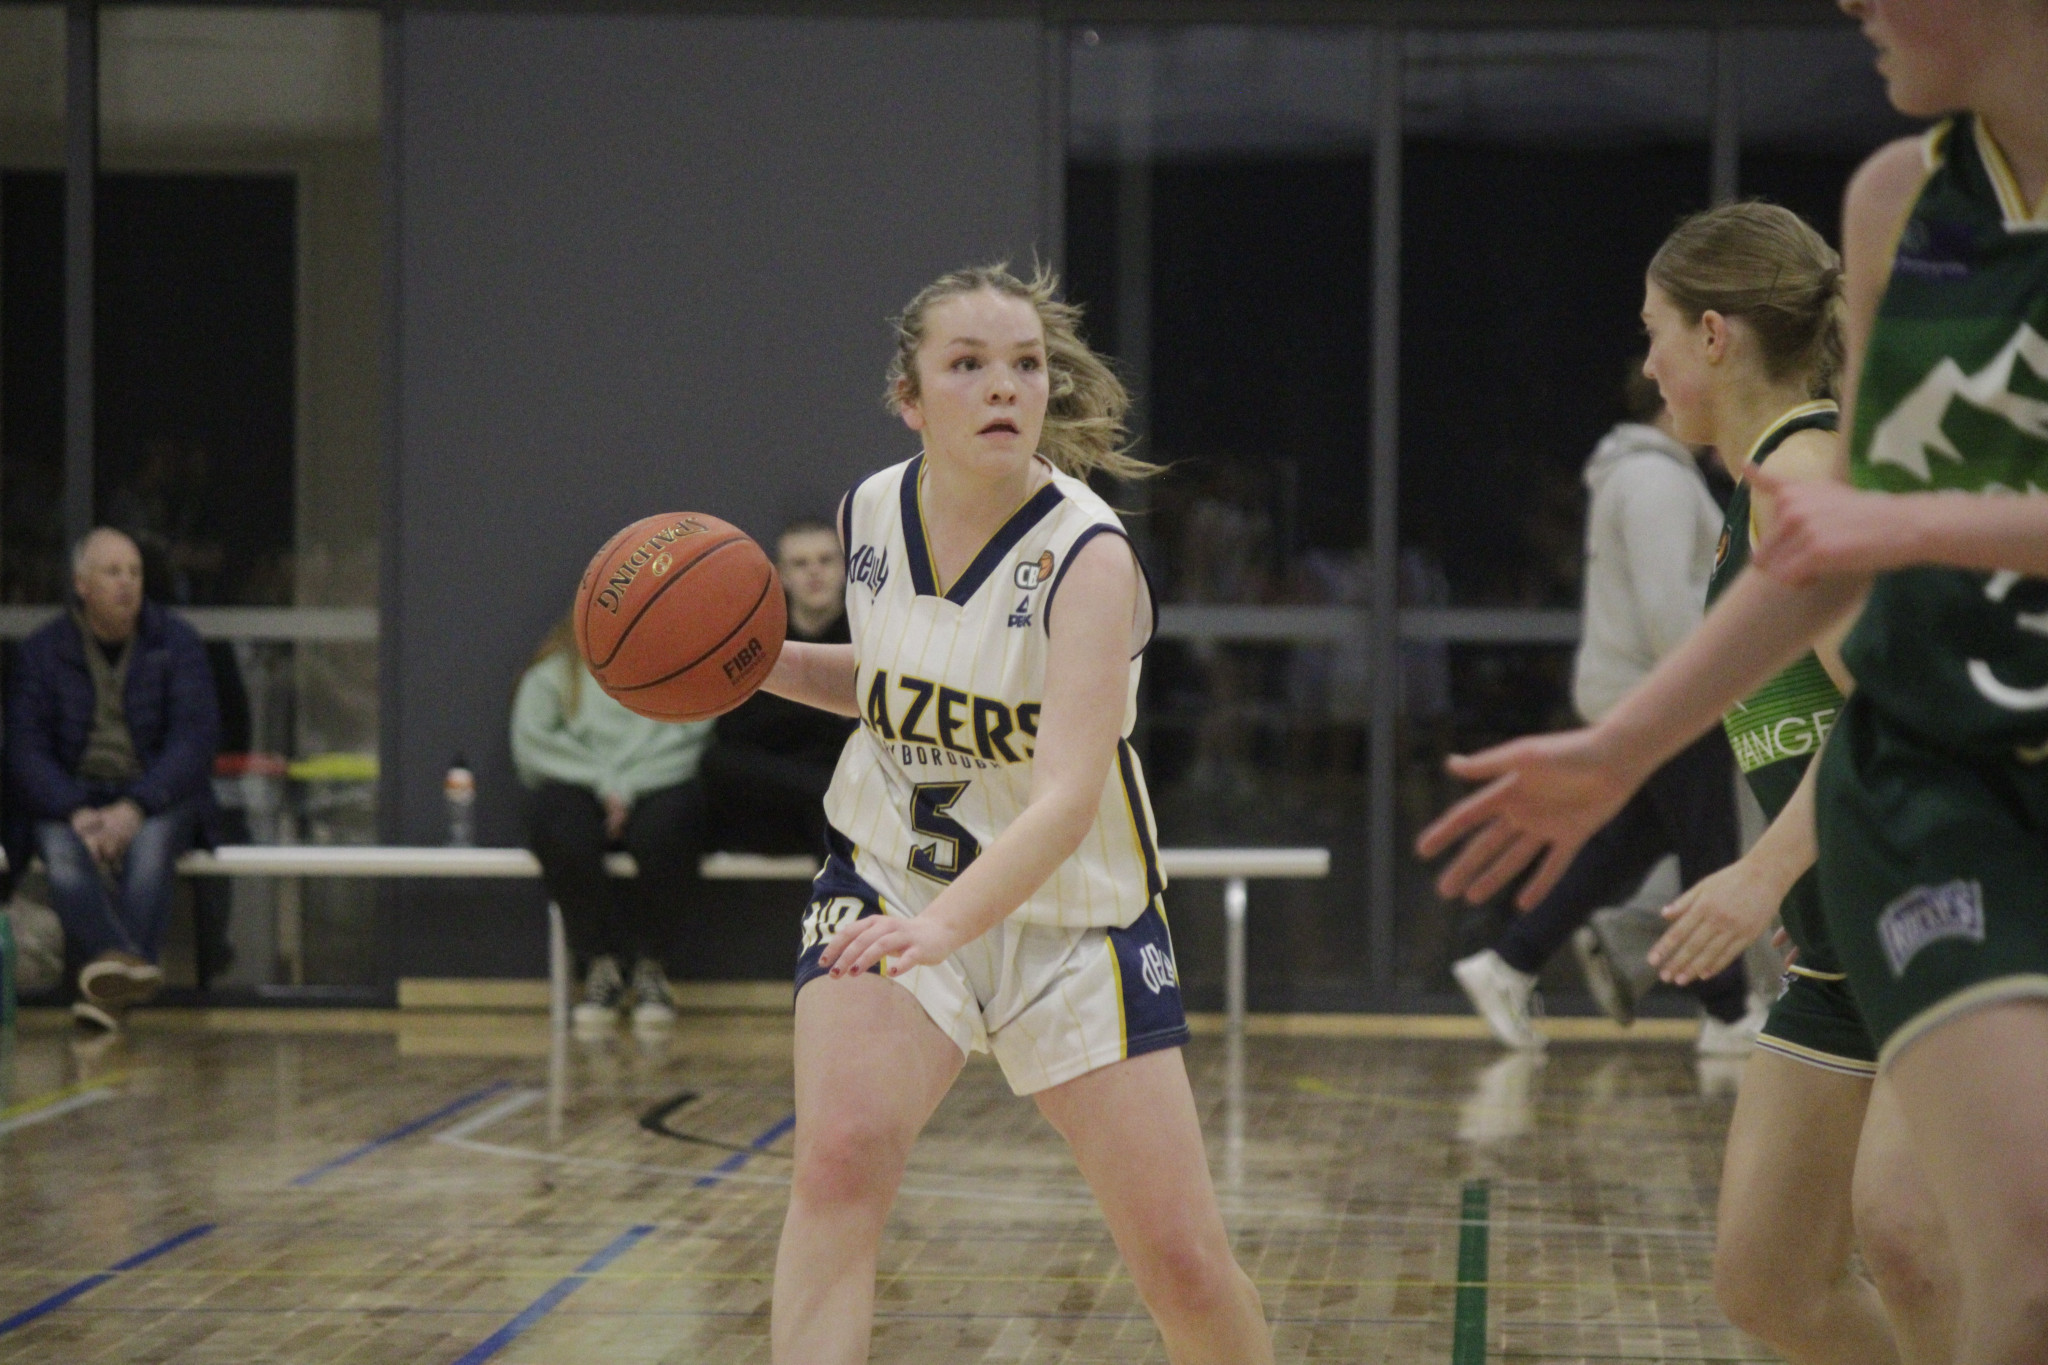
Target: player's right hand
1545	795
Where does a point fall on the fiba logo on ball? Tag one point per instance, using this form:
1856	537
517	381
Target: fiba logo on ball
749	655
1157	969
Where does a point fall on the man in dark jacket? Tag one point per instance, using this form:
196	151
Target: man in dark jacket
765	775
111	730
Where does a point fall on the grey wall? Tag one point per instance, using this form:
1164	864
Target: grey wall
644	265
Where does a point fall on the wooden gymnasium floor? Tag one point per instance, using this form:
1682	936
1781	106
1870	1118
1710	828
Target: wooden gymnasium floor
405	1186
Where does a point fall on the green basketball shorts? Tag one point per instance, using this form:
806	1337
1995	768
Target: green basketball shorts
1933	875
1815	1020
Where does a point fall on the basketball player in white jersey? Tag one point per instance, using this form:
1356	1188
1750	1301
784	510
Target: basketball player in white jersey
993	881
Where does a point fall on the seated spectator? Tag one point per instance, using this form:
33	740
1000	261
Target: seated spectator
765	776
111	730
600	778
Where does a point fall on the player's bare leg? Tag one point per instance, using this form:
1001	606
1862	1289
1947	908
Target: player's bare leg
1904	1242
1975	1093
1133	1129
1781	1258
870	1068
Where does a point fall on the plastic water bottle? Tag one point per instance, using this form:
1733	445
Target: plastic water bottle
460	789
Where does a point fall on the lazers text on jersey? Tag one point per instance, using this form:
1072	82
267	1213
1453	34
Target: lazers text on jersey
954	716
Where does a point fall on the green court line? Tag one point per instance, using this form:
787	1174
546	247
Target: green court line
1468	1326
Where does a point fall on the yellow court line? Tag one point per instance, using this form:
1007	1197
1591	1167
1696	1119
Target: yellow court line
76	1088
766	1272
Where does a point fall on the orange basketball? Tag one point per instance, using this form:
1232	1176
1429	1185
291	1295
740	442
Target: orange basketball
680	617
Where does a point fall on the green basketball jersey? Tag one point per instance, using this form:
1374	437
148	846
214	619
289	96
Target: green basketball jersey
1777	729
1954	395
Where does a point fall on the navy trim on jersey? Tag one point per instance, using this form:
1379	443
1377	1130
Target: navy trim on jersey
1154	883
846	533
1151	596
1036	508
924	578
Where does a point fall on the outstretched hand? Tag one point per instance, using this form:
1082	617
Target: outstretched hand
1823	528
1545	795
915	941
1714	921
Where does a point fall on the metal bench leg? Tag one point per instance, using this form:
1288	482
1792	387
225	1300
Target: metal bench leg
558	972
1233	953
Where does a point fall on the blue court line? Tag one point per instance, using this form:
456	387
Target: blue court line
92	1282
562	1289
739	1159
400	1133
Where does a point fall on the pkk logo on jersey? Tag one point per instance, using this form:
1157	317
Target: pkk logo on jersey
1917	426
1029	575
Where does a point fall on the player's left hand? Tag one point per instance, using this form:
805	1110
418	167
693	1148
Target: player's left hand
1824	528
918	941
1714	921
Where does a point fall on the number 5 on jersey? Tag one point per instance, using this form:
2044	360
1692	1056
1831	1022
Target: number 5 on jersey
953	847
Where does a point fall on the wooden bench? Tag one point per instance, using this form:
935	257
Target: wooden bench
1234	867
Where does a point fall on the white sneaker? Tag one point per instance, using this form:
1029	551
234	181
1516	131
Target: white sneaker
1501	995
603	993
1732	1040
652	1007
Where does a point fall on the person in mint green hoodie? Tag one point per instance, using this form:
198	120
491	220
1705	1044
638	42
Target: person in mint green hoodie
599	778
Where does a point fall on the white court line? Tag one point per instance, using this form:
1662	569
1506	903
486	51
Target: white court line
57	1110
484	1118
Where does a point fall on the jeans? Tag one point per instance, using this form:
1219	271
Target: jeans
623	920
1688	808
129	909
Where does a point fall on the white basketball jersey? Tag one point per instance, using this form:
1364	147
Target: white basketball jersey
950	679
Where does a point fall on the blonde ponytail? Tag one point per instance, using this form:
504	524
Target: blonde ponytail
1764	264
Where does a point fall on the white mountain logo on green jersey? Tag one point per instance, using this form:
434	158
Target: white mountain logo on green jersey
1915	425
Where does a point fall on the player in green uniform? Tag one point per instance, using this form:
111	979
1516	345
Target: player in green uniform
1743	314
1933	816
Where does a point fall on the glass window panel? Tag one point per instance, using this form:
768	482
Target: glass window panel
1813	106
240	399
31	303
1475	696
1541	171
1219	216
